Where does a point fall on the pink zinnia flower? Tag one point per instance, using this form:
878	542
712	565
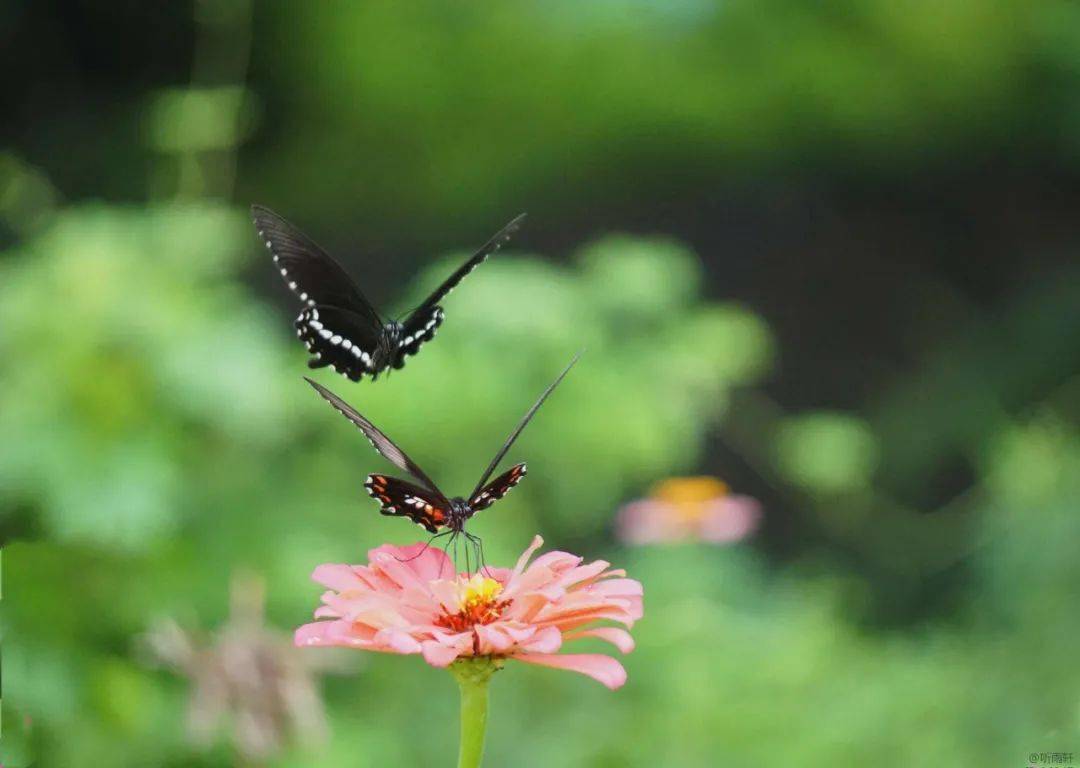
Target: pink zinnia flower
688	509
410	600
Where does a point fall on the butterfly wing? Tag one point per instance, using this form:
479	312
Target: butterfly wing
478	258
521	425
497	488
307	269
420	326
402	499
383	444
340	339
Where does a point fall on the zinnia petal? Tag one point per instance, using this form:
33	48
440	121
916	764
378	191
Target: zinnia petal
397	640
337	576
603	669
556	561
620	638
492	640
547	640
329	633
537	542
438	655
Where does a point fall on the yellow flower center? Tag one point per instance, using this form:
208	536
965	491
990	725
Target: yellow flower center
478	603
478	590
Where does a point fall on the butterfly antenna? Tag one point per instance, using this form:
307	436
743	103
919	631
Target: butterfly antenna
521	425
422	551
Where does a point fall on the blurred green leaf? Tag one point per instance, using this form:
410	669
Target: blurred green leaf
827	452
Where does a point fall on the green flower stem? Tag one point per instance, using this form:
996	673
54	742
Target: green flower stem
473	675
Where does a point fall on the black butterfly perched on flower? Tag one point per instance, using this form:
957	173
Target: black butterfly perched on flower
338	325
425	504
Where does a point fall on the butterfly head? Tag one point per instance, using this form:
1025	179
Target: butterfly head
460	511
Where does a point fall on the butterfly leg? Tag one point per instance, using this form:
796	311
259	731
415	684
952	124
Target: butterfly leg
448	549
480	556
478	552
422	551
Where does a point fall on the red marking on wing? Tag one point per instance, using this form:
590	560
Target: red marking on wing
402	499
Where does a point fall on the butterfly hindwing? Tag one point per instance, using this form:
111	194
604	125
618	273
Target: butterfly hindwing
339	339
497	488
420	326
402	499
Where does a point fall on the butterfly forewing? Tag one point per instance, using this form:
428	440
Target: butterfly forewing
521	425
402	499
497	488
307	269
383	444
478	258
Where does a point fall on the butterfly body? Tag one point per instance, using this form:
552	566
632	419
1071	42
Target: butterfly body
338	325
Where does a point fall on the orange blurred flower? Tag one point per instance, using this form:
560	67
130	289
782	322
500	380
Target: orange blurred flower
689	509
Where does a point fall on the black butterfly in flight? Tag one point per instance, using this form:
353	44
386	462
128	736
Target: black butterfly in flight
339	327
425	504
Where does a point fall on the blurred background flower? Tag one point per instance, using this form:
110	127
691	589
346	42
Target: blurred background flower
689	509
247	682
826	252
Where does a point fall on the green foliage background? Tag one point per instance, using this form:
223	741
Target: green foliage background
156	437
